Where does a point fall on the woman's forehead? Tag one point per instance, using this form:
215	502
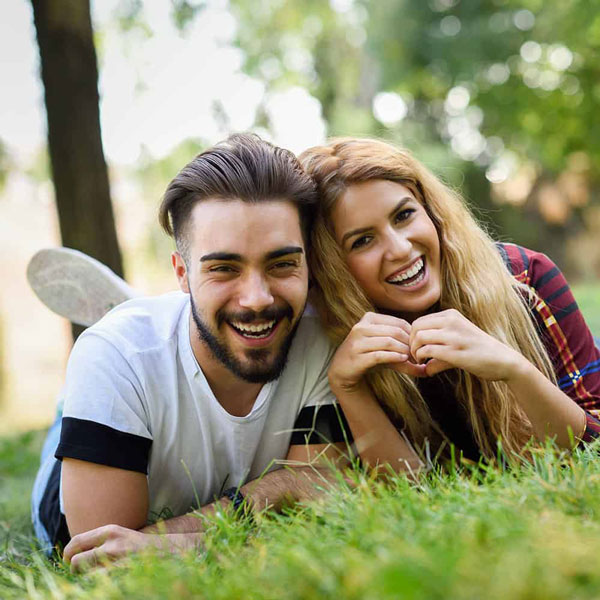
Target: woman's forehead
367	201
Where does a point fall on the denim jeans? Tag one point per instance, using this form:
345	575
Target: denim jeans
41	481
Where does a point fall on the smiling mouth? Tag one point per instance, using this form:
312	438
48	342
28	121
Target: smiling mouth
254	331
410	277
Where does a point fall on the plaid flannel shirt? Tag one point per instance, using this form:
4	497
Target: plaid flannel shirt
563	330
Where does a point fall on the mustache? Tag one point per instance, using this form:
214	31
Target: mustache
248	316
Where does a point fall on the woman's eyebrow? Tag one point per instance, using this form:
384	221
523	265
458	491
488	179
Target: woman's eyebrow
400	205
354	232
396	208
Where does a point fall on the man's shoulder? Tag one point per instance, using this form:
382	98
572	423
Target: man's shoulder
310	331
142	323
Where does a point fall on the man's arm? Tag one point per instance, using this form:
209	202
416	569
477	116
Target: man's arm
307	480
308	475
105	441
95	495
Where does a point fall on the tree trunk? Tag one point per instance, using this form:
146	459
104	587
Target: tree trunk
70	76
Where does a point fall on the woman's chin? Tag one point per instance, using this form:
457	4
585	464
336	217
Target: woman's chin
411	307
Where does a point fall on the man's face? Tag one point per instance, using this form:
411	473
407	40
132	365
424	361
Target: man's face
248	282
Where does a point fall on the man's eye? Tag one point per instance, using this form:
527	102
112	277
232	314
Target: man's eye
222	269
402	215
284	264
361	241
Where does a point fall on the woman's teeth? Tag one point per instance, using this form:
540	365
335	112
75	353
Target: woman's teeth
254	331
415	274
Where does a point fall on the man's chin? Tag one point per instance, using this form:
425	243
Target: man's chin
260	366
257	376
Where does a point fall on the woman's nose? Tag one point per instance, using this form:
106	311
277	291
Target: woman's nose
397	245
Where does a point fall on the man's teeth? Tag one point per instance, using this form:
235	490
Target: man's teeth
408	274
261	330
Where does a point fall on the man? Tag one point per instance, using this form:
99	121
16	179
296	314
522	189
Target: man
173	401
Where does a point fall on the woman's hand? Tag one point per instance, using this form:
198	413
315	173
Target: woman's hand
375	340
449	340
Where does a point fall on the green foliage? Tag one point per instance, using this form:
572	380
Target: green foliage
153	176
588	299
5	164
183	11
129	14
543	107
307	44
39	169
526	74
529	532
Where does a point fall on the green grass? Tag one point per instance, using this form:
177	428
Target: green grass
533	532
19	460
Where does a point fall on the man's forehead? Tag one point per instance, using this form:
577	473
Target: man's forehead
246	228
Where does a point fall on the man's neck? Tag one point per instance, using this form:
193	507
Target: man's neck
234	394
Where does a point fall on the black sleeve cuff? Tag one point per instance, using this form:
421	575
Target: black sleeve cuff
97	443
324	424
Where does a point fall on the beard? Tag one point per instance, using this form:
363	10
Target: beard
261	365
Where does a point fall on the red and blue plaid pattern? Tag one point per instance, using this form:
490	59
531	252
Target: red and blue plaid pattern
563	330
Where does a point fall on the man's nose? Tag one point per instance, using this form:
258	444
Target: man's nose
255	293
397	245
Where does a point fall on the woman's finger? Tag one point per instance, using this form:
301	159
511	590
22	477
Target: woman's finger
372	344
435	366
381	357
381	319
381	330
448	319
431	351
433	337
409	368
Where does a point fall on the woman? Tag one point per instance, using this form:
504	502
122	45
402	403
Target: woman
473	336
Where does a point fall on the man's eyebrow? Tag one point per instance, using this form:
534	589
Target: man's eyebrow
231	256
284	252
221	256
354	232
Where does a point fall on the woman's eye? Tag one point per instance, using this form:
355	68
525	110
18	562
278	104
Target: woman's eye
402	215
360	242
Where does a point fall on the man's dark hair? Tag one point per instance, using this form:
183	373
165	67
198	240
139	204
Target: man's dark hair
243	167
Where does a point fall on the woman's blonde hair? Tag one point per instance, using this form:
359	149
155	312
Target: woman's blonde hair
475	281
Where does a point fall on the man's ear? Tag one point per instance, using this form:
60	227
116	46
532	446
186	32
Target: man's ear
180	272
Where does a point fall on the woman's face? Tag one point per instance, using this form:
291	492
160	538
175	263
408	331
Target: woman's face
390	245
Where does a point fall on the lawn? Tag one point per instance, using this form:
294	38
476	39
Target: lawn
529	532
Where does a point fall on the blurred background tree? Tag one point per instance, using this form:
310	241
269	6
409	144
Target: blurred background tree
70	75
499	97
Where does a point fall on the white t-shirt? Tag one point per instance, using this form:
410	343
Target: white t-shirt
135	398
